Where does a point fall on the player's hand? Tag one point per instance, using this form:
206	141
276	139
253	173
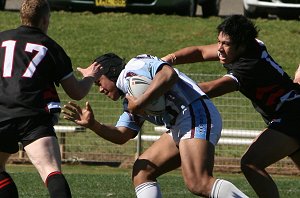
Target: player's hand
134	105
94	70
170	58
297	75
81	116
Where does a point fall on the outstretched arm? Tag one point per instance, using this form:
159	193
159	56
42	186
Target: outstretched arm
193	54
85	117
219	86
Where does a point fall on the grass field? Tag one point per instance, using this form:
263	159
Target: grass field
85	36
103	181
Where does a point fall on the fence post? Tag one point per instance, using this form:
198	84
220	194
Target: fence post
62	145
138	145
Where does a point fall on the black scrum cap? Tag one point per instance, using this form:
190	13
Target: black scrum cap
112	65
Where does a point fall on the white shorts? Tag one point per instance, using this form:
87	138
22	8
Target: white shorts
200	120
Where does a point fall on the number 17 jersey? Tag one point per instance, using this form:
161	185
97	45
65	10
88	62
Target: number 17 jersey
31	63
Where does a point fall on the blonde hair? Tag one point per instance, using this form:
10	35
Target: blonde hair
32	11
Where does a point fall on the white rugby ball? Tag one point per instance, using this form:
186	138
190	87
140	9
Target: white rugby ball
137	85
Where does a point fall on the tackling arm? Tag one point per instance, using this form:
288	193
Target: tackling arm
219	86
78	89
193	54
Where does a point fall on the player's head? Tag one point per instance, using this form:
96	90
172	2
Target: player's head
241	30
112	65
35	13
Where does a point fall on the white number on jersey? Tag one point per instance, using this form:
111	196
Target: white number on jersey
9	56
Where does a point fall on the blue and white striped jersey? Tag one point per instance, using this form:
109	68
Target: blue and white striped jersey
183	93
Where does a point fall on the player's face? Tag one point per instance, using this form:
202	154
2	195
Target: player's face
108	88
227	51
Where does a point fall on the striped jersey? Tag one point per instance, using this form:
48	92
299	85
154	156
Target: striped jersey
182	94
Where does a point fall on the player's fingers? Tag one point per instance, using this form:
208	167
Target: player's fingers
71	104
72	117
88	106
69	113
79	69
73	107
70	108
94	66
68	118
129	97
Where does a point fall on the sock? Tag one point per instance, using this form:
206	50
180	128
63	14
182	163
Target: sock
148	190
8	188
223	188
57	185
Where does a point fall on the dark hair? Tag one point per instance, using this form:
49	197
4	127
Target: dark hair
112	65
240	29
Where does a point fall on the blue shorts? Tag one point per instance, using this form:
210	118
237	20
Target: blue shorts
200	120
25	130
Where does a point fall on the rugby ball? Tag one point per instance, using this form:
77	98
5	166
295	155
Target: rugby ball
137	85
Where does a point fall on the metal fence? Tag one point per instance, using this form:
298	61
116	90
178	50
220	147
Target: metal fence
241	123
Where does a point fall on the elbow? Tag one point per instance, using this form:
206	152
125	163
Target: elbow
210	94
204	87
122	138
208	90
121	141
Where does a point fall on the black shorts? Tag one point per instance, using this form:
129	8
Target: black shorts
24	130
288	121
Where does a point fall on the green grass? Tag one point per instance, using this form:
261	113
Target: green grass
103	181
84	36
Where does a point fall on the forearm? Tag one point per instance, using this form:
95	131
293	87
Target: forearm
77	89
193	54
84	85
163	81
210	91
110	133
185	55
219	86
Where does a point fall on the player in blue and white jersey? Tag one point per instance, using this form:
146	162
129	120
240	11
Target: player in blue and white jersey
252	71
194	125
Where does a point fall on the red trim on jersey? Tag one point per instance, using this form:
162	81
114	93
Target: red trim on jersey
193	132
193	121
50	175
5	182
